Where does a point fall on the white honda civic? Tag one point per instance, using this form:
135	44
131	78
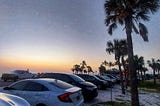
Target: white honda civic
46	92
12	100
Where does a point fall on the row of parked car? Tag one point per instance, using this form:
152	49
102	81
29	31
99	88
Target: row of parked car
59	89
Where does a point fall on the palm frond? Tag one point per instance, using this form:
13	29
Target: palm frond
120	21
110	47
135	29
109	50
148	5
142	15
111	28
143	32
110	6
109	19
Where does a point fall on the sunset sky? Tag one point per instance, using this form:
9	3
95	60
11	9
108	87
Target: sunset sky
53	35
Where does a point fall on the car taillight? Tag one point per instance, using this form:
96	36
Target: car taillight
65	97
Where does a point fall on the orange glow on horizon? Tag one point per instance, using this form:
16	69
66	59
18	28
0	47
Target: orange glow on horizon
36	64
42	64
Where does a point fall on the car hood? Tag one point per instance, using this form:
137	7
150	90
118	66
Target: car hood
89	84
11	100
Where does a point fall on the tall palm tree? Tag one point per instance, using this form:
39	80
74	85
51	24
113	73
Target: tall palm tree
130	13
153	64
117	47
139	65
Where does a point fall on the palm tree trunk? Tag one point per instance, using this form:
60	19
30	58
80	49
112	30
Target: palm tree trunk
121	78
159	75
133	76
142	76
154	75
125	71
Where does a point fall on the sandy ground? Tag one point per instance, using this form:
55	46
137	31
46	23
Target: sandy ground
146	99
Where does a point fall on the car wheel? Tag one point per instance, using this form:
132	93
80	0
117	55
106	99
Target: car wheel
99	86
14	80
40	104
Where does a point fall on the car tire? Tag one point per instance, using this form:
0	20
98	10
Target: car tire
40	104
99	86
15	80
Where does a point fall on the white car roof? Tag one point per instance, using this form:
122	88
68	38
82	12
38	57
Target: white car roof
46	82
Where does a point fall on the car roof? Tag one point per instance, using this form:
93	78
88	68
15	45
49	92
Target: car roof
58	73
41	80
46	82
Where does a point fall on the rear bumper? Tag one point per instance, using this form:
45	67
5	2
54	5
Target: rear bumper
89	95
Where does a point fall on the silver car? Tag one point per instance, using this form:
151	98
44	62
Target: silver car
12	100
46	92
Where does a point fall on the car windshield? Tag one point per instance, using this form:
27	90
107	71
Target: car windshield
106	77
61	84
110	76
77	78
100	77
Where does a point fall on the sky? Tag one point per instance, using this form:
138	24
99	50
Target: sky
54	35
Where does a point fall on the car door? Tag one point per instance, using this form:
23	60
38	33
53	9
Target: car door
36	93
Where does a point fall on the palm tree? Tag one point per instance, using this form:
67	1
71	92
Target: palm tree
109	64
139	65
158	68
83	66
102	70
89	69
144	69
76	69
130	13
117	47
152	63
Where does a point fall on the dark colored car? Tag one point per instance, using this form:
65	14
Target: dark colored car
101	84
89	90
110	83
7	77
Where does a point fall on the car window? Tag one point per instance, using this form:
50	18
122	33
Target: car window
61	84
91	78
19	85
34	86
106	77
97	78
64	78
47	75
77	78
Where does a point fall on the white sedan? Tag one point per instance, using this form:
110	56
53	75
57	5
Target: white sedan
12	100
46	92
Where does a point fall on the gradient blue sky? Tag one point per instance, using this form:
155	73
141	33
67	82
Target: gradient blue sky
53	35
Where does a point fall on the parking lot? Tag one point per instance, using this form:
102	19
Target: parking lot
103	95
146	99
